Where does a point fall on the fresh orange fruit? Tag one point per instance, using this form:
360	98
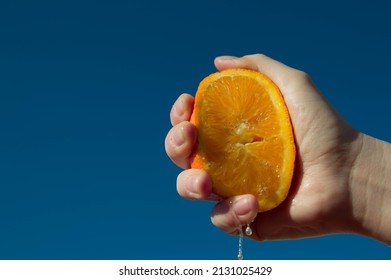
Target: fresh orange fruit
245	137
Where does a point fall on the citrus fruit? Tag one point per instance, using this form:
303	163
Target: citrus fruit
245	138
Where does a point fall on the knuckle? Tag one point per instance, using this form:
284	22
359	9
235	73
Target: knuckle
256	56
302	76
260	55
298	80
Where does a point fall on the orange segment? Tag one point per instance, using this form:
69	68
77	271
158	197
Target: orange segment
245	138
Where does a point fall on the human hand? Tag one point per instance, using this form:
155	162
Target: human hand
320	199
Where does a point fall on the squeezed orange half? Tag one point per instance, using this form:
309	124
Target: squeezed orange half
245	137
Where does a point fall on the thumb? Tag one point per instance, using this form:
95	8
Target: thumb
275	70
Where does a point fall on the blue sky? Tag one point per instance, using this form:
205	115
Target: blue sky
85	93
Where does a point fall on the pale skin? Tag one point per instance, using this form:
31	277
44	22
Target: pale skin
342	176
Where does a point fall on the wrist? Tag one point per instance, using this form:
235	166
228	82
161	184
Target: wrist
369	188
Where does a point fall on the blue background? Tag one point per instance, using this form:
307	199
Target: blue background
85	93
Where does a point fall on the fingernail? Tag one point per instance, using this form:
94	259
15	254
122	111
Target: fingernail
191	185
226	57
242	206
178	136
181	107
178	108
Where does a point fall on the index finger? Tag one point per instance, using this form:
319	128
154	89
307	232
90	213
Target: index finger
275	70
182	109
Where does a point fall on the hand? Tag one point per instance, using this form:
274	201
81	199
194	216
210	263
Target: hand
320	200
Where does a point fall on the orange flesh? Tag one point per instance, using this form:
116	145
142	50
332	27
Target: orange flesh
245	138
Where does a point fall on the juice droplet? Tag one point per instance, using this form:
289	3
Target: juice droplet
240	253
248	230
